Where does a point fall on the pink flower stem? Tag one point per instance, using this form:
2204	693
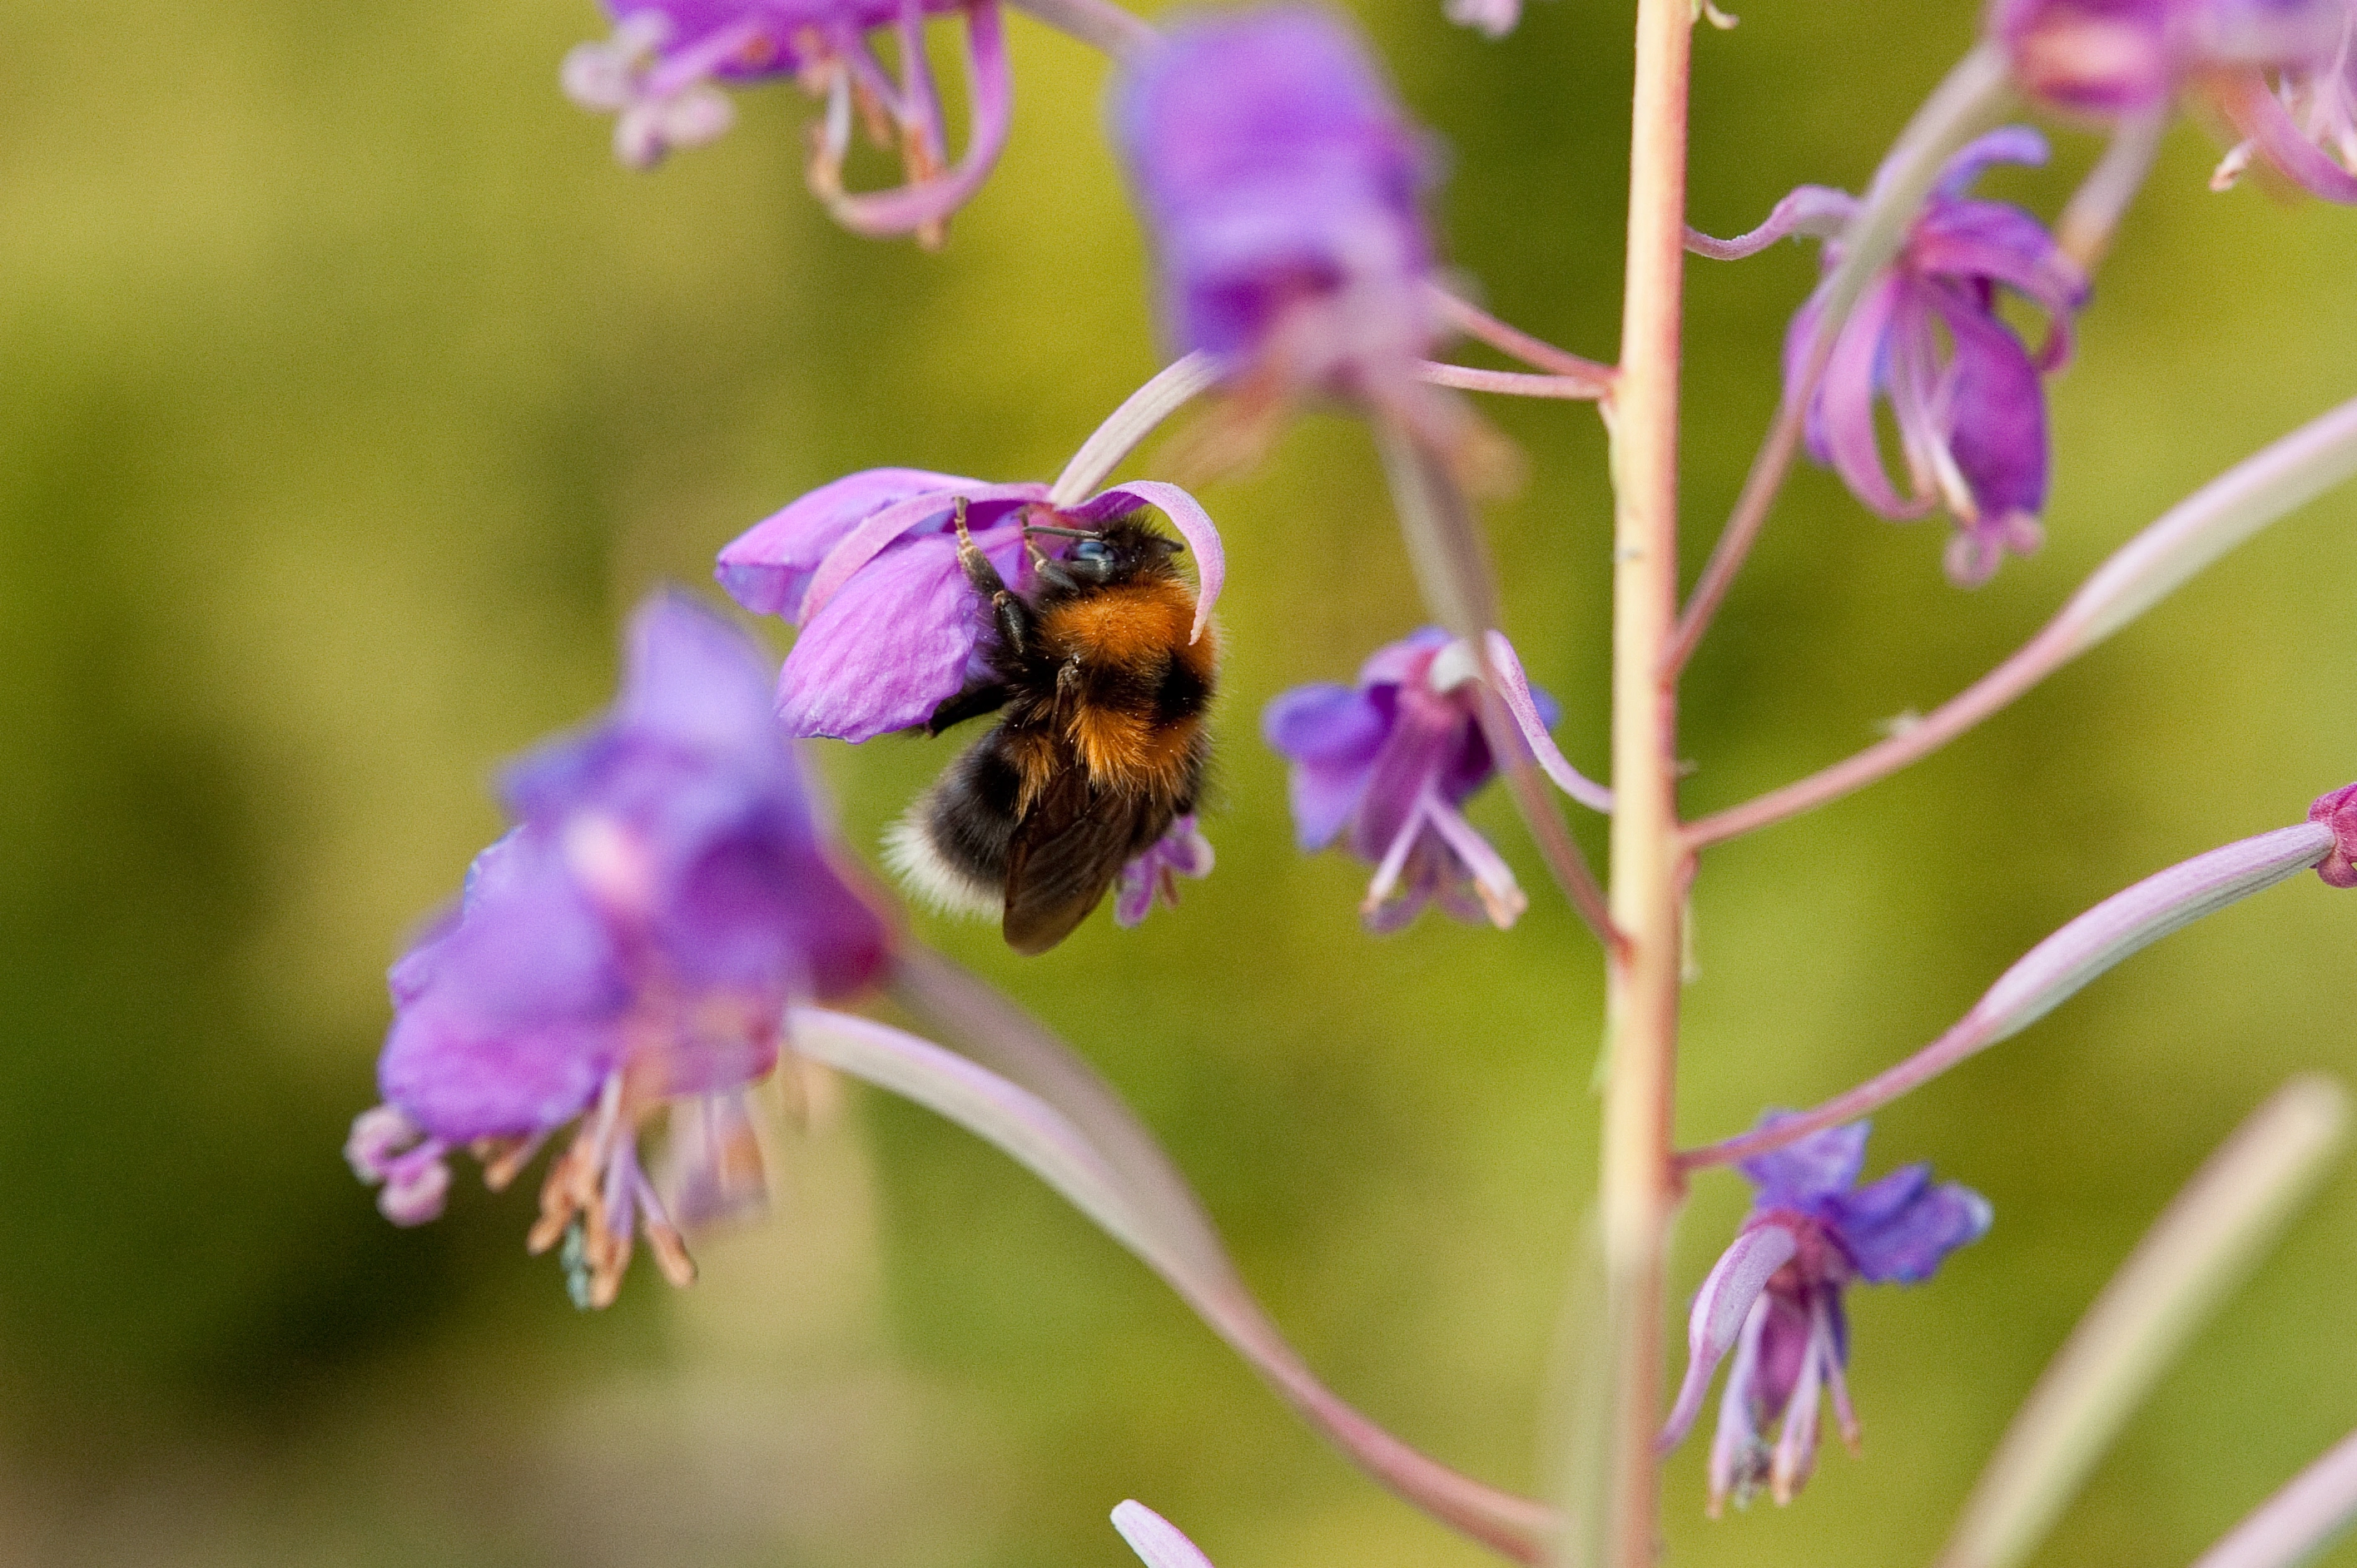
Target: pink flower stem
1483	328
2054	971
2036	660
1511	383
1177	1238
1641	1189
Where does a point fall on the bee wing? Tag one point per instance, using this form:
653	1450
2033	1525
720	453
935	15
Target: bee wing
1066	851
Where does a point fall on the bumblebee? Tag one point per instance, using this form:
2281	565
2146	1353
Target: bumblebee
1100	743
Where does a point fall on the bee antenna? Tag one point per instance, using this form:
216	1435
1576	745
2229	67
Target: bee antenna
1062	532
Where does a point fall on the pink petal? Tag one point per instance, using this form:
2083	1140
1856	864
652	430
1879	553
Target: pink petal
1724	1300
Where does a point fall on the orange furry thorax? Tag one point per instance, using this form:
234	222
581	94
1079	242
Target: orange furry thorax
1118	641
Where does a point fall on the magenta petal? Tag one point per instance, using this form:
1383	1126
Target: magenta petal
990	85
1720	1307
894	643
1998	430
2261	116
1188	515
1846	399
693	680
873	535
2338	811
2006	144
768	568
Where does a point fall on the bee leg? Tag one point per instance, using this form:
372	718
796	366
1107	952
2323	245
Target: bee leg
1013	616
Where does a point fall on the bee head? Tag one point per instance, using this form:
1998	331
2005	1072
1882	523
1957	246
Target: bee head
1119	552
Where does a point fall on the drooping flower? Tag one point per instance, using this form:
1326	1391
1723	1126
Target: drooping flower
1384	765
890	627
659	74
2305	129
1153	877
2116	58
631	944
1281	187
1926	337
1775	1299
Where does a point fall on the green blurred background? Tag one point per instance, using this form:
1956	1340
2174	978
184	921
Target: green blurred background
350	396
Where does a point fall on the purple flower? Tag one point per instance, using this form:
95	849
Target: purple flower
2307	128
2111	57
1281	186
658	72
1926	337
1775	1299
890	627
631	943
1153	877
1384	765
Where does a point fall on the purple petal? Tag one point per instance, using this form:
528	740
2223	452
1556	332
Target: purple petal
1720	1307
2006	144
990	88
1188	515
894	643
463	1076
768	568
1428	732
2263	119
1846	400
868	539
1323	722
694	679
1908	1245
2089	55
1331	735
1997	414
1398	664
1818	1167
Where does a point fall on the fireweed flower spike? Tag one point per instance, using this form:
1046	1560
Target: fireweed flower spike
632	945
1385	764
1775	1299
1971	414
658	75
1281	187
